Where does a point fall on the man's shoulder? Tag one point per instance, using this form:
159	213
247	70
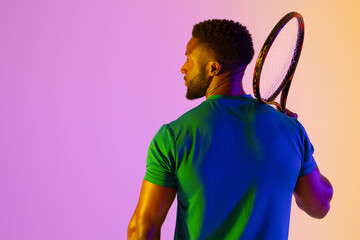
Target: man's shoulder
192	117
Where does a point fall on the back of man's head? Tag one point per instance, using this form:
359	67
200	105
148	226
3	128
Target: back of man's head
229	41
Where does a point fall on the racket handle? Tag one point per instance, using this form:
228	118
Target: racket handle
290	113
287	112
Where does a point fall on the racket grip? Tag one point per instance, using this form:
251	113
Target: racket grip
290	113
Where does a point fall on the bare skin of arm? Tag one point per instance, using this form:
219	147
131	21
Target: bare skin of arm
151	210
313	194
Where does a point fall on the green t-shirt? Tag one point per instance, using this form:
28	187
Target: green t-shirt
235	164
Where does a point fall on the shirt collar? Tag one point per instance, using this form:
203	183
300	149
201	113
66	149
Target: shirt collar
229	97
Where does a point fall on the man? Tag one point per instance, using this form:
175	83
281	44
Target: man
233	163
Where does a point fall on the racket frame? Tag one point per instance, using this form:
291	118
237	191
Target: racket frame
285	85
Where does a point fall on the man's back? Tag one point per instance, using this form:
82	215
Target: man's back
235	164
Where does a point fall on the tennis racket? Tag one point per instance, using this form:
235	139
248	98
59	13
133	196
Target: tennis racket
277	61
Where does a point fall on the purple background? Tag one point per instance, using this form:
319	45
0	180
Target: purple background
84	86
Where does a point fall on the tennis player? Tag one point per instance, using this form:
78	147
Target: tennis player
233	163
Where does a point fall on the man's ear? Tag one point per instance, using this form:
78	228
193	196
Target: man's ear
215	68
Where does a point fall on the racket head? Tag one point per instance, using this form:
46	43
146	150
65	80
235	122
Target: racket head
275	67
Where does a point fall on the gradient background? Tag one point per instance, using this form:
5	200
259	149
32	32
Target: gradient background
85	84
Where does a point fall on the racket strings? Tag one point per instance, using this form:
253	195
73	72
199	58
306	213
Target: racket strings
279	60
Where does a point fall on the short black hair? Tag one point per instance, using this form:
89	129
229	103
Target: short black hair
230	42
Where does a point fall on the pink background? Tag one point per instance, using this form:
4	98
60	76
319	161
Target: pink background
84	86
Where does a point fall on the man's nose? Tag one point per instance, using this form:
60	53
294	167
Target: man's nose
183	70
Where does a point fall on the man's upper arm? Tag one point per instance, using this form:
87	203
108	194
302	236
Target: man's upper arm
151	210
313	193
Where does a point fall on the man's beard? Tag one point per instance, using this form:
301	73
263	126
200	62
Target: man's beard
196	87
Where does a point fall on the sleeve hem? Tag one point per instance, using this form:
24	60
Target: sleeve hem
308	170
160	183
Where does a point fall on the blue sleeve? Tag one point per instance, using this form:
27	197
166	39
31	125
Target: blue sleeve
160	161
308	163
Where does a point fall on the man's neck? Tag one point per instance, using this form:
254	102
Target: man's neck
229	83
